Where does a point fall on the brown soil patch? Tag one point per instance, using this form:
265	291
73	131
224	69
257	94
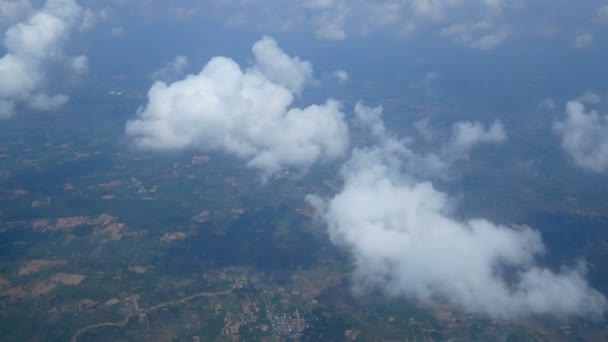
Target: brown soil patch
4	283
104	219
67	223
138	269
41	203
35	266
201	217
237	211
43	287
314	287
70	222
85	304
13	293
40	224
246	307
114	230
112	302
231	328
68	279
351	334
168	237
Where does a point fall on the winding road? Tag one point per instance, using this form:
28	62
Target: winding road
125	321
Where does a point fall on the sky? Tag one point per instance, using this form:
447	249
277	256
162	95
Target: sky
284	86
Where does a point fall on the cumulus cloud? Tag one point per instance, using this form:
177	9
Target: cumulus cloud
589	97
430	8
430	77
405	239
247	113
172	70
371	117
423	127
472	23
427	82
290	72
584	137
14	10
45	102
465	136
90	18
548	104
116	32
481	35
330	19
341	75
583	40
33	45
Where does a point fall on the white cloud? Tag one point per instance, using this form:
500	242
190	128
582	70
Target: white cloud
246	113
487	23
12	11
433	9
289	72
319	4
583	40
91	17
116	32
406	240
341	75
423	128
7	108
330	24
427	82
339	19
477	24
328	18
172	70
31	45
371	118
548	104
430	77
464	138
78	64
590	97
44	102
602	13
481	35
585	137
466	135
